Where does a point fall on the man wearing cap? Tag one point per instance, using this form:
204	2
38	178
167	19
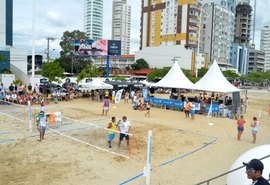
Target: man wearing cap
42	125
254	169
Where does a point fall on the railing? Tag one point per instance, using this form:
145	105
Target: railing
221	175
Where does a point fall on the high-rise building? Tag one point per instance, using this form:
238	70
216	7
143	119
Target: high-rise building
6	22
6	29
169	22
265	46
229	4
121	16
243	23
256	60
217	33
93	18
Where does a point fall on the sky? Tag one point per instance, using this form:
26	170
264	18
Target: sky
53	17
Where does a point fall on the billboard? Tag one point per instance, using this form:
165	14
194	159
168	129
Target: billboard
97	47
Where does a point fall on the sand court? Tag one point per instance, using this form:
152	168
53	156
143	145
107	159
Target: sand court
184	151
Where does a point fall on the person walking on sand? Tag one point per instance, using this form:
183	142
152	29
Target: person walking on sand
240	126
112	126
124	127
42	125
106	105
147	109
254	126
187	108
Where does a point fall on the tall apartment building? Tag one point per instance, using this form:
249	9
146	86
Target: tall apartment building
169	22
121	22
93	18
243	23
229	4
6	22
6	29
256	60
217	33
265	46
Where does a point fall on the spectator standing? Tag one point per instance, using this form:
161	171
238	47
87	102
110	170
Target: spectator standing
106	105
254	126
240	126
254	170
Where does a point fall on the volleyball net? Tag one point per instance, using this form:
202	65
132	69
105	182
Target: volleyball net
16	111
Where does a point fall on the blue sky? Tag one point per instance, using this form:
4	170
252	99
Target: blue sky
53	17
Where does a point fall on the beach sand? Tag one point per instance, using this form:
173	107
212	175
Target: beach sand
184	151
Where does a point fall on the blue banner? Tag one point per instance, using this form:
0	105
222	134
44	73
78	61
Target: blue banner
114	47
215	108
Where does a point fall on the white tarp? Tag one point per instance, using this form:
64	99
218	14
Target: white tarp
175	78
96	84
214	81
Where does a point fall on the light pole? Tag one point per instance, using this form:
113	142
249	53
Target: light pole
48	47
174	59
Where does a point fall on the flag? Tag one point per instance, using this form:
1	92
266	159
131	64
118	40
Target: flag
118	96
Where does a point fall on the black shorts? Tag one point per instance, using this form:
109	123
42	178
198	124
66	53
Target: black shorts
187	111
147	108
122	136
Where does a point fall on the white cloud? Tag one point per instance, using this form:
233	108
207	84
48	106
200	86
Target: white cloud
53	17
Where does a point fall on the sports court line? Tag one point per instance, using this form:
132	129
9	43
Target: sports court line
94	146
12	117
168	162
10	103
7	140
5	133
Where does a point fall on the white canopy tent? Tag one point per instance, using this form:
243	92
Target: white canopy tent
214	81
95	84
175	78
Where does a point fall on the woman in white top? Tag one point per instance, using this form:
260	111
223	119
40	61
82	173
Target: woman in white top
254	126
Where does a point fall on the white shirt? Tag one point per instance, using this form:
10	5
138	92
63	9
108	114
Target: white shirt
256	127
43	121
124	126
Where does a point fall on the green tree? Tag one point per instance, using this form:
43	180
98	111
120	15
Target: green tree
258	76
157	74
230	74
2	58
52	70
89	71
140	64
68	60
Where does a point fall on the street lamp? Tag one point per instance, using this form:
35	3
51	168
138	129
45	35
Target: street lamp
174	59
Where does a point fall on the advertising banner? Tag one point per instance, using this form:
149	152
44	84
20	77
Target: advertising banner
91	47
97	47
114	47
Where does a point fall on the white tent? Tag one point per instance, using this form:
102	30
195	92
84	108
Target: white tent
95	84
148	84
214	81
175	78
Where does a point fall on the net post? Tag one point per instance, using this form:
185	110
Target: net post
29	115
149	156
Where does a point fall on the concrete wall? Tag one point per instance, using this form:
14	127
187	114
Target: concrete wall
163	56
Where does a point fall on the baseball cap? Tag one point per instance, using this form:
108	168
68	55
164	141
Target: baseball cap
256	164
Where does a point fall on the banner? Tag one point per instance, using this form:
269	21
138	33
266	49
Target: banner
114	47
97	47
118	96
91	47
